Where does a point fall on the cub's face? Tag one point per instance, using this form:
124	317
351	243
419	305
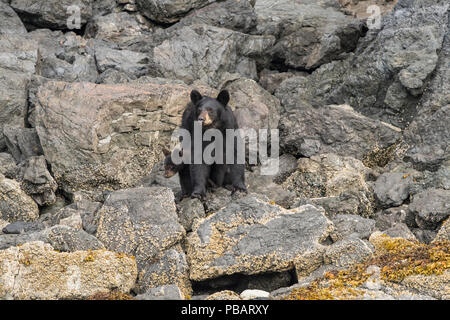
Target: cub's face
209	110
170	170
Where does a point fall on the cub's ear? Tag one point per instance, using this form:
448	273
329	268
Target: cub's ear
223	97
166	152
195	96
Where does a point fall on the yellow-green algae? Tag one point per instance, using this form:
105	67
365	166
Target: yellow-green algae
397	259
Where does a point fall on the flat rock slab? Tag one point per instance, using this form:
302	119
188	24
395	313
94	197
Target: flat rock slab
251	236
36	271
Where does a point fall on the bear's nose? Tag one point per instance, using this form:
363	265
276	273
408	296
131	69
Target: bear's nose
201	118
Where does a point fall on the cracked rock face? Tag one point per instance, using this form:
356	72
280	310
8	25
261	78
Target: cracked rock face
36	271
309	33
245	237
143	222
209	54
168	11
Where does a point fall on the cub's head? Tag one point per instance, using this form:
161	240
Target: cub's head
209	110
170	169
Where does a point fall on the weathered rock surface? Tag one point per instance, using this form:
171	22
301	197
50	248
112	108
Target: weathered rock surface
22	143
307	131
388	72
15	204
117	27
309	33
168	11
37	181
10	23
13	100
245	238
53	14
336	183
431	207
347	252
391	189
35	271
166	292
22	227
17	54
236	15
347	225
209	54
190	210
8	165
143	222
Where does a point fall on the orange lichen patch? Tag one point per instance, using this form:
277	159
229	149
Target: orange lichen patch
115	295
397	259
90	257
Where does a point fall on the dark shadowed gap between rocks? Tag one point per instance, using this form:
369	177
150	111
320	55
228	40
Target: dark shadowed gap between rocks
24	17
239	282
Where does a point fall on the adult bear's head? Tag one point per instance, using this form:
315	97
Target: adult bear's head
209	110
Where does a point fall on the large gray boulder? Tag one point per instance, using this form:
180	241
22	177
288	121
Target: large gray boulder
37	181
18	53
309	33
251	236
236	15
117	27
64	56
392	188
307	131
134	64
15	204
428	134
49	275
209	54
336	183
350	225
22	143
52	14
10	23
386	75
143	222
430	207
13	100
168	11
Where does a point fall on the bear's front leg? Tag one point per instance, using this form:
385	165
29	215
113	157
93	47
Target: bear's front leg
199	178
237	177
185	181
218	172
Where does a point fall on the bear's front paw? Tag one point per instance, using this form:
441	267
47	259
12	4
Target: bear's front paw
197	195
239	189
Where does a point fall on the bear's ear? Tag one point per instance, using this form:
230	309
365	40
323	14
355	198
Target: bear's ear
165	152
223	97
195	96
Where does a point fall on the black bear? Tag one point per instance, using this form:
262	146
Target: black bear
213	113
171	169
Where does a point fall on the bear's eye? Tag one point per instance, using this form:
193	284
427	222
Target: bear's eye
209	109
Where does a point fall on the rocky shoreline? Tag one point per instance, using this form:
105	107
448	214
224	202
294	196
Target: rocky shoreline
358	210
